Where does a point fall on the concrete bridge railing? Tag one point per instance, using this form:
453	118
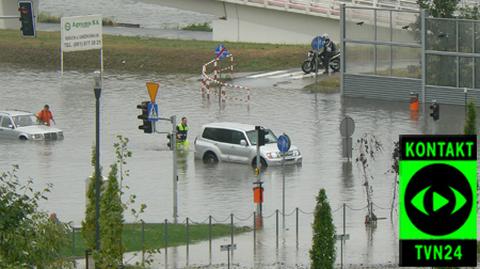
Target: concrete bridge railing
325	8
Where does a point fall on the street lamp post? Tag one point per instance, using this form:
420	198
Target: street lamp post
98	91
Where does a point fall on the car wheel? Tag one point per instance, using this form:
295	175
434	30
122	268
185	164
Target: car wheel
263	163
23	138
210	157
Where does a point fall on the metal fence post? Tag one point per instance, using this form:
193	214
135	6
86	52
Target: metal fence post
143	242
424	59
73	241
231	232
344	47
165	238
254	232
210	240
87	265
276	228
188	238
296	227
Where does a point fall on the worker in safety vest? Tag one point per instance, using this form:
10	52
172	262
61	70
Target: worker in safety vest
182	130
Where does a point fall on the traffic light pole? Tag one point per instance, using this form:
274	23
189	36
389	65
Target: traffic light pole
97	91
173	119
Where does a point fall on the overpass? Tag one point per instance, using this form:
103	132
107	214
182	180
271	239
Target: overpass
280	21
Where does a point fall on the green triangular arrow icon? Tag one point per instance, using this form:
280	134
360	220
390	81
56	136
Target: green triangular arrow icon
460	201
438	201
417	201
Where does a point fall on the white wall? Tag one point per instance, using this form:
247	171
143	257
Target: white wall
10	8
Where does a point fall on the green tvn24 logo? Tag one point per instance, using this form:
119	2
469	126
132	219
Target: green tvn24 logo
437	202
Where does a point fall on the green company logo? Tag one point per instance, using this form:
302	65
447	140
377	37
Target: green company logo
68	26
438	186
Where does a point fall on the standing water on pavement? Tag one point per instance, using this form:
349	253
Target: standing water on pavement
311	121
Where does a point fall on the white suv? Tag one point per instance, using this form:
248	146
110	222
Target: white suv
24	126
235	142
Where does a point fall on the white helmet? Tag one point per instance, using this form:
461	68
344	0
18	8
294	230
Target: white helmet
325	36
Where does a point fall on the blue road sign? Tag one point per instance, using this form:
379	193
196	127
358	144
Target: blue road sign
221	52
152	109
317	43
283	143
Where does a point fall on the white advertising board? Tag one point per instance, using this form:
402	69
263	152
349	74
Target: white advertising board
81	33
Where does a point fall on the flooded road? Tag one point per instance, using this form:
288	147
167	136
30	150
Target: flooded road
311	121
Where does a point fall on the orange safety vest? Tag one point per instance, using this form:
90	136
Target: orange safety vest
45	116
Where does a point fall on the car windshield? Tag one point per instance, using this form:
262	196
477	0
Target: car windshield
269	137
24	120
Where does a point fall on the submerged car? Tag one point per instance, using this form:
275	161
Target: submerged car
236	142
23	125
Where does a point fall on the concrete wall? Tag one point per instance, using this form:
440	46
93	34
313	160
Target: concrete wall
252	24
10	8
243	23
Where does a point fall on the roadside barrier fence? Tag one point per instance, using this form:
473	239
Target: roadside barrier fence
237	225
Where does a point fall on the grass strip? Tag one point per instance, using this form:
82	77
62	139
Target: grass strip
154	236
330	84
144	55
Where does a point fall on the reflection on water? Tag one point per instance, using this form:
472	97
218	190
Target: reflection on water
311	120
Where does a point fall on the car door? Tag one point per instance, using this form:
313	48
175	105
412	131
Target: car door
218	138
237	152
6	127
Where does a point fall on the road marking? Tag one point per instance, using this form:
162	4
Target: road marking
267	74
304	76
288	74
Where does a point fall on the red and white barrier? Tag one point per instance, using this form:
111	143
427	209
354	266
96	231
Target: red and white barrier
213	79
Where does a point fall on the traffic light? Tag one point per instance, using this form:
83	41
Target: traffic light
27	18
169	143
261	135
147	125
435	108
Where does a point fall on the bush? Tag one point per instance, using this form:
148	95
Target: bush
322	253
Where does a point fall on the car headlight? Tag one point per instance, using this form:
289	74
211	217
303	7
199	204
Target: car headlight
296	152
37	136
273	155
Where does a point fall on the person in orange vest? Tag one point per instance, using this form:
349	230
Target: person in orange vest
45	115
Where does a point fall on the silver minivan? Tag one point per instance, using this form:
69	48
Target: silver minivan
236	142
23	125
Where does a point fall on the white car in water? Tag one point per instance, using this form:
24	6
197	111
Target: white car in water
236	142
23	125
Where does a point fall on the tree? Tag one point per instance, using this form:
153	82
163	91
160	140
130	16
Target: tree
28	238
111	223
368	147
471	120
322	253
439	8
88	225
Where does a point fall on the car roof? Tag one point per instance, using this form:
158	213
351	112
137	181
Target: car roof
230	125
15	112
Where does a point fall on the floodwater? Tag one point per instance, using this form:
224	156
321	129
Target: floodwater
126	11
311	121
